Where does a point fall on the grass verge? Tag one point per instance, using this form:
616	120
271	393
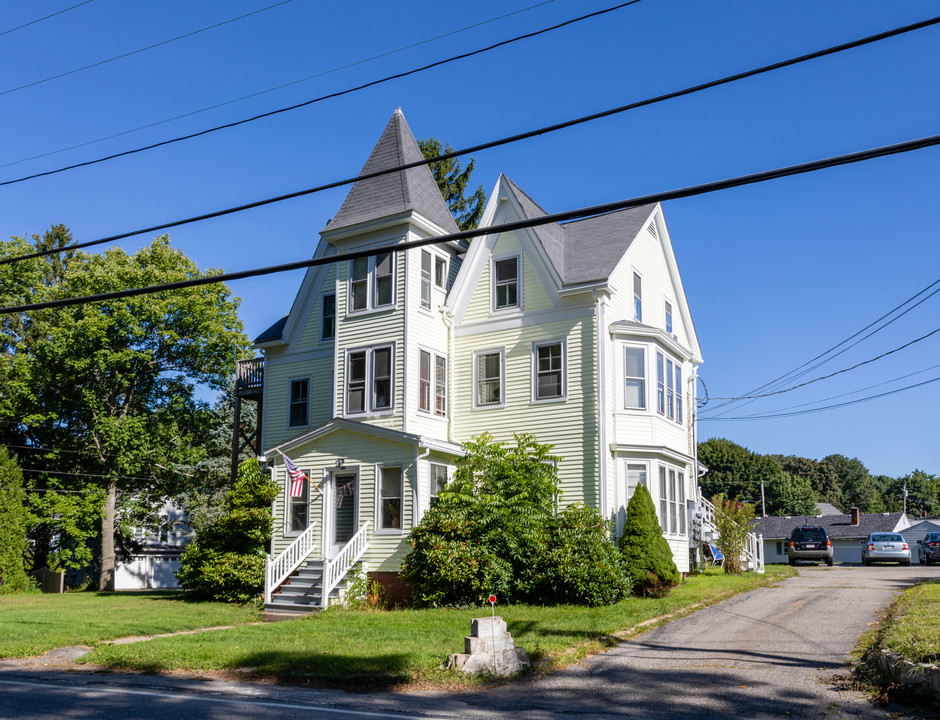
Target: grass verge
32	624
360	650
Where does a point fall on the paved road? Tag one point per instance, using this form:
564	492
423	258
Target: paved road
770	653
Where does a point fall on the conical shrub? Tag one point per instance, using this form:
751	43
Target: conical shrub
646	553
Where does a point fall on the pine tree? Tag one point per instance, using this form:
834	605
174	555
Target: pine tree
452	182
646	553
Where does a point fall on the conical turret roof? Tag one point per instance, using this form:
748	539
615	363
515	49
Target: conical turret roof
395	193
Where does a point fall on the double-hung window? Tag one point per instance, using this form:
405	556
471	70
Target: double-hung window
636	475
672	516
635	378
669	317
506	283
372	282
432	383
426	262
637	298
488	378
440	272
549	370
328	317
298	414
298	509
668	387
390	498
437	482
369	380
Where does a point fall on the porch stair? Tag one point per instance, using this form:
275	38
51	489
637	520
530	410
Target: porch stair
302	592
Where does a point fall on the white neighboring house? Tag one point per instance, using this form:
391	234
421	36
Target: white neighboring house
579	334
154	567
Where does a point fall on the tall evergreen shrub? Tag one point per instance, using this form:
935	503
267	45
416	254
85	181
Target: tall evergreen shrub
226	561
645	551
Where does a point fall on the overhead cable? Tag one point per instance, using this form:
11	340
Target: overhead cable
45	17
140	50
258	93
329	96
463	151
794	413
521	136
602	209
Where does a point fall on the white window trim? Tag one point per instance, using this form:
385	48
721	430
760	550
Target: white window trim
432	400
371	307
680	506
290	387
637	275
323	338
564	371
287	504
368	411
502	379
379	530
329	501
646	377
669	317
509	308
446	260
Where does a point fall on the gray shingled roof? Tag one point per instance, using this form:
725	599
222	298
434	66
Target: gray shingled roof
407	190
586	250
838	526
272	333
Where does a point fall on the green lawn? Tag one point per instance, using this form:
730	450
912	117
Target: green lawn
32	624
373	650
913	625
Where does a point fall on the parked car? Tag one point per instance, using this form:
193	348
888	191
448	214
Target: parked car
809	543
928	549
885	547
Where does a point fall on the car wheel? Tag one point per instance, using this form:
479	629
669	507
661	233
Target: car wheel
792	562
906	563
866	561
829	562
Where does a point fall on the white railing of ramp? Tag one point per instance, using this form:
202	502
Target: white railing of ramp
753	547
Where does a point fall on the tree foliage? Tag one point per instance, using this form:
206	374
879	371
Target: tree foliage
13	523
646	554
452	182
226	561
105	393
734	521
858	488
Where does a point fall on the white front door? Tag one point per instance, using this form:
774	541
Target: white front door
342	511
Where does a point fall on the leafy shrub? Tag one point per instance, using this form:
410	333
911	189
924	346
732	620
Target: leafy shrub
226	561
577	564
487	525
646	554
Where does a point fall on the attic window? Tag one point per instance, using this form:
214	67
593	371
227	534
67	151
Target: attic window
506	283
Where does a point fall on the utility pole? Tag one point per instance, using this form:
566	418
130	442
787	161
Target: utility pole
763	502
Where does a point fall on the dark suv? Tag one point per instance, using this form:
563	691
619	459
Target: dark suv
928	549
809	543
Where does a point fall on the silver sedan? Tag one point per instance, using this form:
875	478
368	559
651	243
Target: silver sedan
886	547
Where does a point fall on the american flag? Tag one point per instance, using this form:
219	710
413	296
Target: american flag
342	491
297	476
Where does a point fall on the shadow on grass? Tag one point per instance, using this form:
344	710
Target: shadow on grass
309	668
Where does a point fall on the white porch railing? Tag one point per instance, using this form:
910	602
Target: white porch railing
277	571
753	547
335	570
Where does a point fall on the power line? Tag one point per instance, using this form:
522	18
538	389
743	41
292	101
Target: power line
545	130
845	370
140	50
795	372
821	409
46	17
279	87
692	191
329	96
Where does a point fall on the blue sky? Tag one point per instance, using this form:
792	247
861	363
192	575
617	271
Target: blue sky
775	273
